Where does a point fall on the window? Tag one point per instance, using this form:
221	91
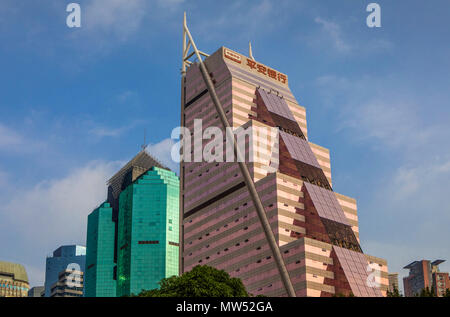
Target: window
148	242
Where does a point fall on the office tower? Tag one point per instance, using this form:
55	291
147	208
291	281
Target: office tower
138	165
13	280
440	280
148	231
66	257
37	291
316	229
69	284
100	280
99	277
133	238
425	274
393	282
418	279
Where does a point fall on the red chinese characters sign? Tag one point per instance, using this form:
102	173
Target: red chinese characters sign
264	70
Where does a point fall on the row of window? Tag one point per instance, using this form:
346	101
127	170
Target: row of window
14	287
226	225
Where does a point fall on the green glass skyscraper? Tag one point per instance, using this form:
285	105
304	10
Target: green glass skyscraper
148	231
133	237
99	278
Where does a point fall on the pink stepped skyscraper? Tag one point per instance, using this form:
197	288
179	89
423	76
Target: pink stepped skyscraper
315	228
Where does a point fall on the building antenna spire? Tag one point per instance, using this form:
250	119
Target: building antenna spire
250	53
144	146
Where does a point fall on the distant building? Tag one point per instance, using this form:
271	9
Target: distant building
99	277
393	282
37	291
422	275
133	238
69	284
64	258
418	279
440	280
13	280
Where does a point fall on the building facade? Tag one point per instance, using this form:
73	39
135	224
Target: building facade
66	257
99	277
69	284
148	231
315	227
133	238
425	274
441	283
393	282
13	280
37	291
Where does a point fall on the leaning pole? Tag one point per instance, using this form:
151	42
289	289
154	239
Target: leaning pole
284	274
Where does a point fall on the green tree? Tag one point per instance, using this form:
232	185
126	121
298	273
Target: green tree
447	292
427	292
394	293
201	281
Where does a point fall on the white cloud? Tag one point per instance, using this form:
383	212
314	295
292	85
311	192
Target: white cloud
118	20
244	20
53	212
169	4
3	178
334	33
162	152
422	187
12	142
101	132
376	111
119	17
395	122
9	137
126	95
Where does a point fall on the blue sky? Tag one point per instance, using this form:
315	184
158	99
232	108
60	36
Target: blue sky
74	104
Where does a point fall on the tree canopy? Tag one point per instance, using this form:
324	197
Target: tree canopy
395	293
427	292
201	281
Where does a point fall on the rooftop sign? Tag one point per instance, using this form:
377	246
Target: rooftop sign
251	65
